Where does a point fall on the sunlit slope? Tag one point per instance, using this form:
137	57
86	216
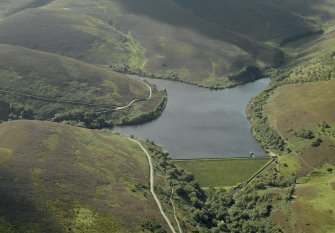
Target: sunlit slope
312	206
58	178
60	78
307	123
312	48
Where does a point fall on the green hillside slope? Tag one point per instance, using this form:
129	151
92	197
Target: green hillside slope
9	7
44	85
194	51
295	117
58	178
66	33
203	43
268	21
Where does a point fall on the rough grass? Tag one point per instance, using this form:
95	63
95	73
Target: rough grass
313	104
220	173
5	154
66	33
61	178
312	209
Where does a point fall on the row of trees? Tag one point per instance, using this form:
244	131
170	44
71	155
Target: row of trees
14	112
261	128
91	120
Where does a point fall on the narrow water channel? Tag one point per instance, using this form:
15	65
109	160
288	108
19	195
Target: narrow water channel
200	123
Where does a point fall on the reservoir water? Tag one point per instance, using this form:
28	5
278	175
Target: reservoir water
200	123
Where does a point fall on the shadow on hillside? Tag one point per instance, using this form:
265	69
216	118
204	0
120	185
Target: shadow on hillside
19	206
230	21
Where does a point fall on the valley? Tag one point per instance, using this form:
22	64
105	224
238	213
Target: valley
115	116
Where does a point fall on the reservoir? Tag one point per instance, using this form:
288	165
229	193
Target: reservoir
202	123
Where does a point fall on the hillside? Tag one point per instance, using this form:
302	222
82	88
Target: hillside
191	41
197	52
9	7
58	178
72	34
206	43
45	85
268	21
294	117
56	62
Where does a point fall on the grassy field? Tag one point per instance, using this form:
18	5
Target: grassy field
60	178
225	172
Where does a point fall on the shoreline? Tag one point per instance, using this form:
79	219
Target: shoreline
215	87
221	159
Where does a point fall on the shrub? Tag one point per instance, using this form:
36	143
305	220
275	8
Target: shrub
317	142
152	225
305	133
247	74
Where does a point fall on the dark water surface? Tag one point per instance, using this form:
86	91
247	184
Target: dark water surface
200	123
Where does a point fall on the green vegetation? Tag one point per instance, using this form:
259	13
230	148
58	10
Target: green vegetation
74	34
207	48
223	172
64	89
295	118
60	178
308	130
9	7
248	209
55	177
312	205
95	181
275	21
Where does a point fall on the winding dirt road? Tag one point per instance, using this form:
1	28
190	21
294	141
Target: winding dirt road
174	211
152	184
83	103
135	100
